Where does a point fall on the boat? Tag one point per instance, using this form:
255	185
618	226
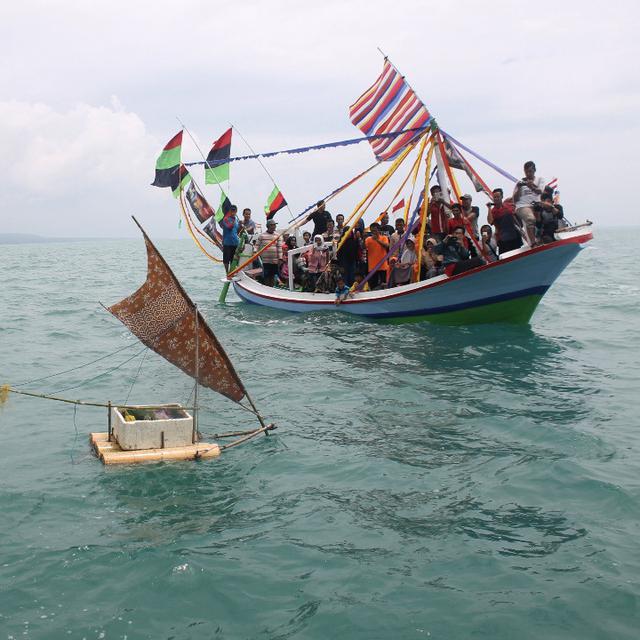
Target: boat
507	290
401	132
165	319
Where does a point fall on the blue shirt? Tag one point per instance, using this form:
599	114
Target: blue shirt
342	290
230	231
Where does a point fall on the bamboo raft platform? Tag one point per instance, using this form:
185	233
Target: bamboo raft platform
111	453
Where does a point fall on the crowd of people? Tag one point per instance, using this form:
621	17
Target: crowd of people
342	260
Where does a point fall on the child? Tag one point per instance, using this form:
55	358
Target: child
342	290
356	283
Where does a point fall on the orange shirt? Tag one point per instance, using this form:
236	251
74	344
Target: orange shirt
375	252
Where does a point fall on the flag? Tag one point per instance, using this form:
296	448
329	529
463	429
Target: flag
199	205
168	162
390	104
179	179
399	205
275	202
225	205
216	170
456	161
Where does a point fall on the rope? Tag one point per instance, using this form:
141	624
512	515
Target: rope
263	166
144	357
495	167
326	145
100	374
22	384
375	191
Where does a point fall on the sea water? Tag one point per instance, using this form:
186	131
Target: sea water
424	481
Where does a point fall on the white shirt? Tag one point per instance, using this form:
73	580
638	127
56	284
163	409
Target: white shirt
528	196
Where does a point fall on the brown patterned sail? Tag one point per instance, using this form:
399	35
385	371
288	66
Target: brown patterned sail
162	316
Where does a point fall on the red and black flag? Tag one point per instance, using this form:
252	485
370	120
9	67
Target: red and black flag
275	202
217	167
168	162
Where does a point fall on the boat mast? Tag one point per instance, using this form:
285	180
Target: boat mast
194	435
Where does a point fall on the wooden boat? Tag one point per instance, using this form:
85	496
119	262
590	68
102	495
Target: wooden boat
508	290
400	130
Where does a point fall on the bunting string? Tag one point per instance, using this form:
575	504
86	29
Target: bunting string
326	145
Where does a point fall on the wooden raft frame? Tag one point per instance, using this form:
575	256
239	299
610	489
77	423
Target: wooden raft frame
111	453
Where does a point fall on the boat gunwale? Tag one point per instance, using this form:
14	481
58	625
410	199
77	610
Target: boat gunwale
577	239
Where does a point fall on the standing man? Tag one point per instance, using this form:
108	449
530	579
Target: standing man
396	237
347	254
527	191
438	215
230	225
502	217
385	227
377	248
248	224
271	256
320	218
471	214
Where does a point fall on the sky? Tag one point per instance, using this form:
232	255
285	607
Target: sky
90	92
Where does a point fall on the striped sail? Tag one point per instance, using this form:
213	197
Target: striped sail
390	104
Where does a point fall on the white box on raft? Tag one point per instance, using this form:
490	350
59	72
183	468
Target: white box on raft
164	426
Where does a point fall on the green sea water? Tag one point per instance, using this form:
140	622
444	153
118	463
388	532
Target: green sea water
425	481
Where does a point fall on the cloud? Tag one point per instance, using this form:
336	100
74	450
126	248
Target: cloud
550	82
49	153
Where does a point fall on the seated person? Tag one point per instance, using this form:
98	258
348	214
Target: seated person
548	216
456	256
431	262
489	244
357	282
403	270
326	283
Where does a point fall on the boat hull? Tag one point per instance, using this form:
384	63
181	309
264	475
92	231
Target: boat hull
505	291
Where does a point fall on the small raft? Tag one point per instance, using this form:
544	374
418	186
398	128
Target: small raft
110	452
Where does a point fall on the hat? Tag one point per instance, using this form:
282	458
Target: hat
270	221
411	239
432	241
466	196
